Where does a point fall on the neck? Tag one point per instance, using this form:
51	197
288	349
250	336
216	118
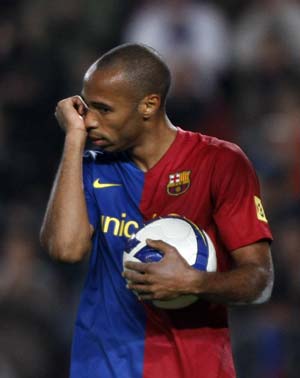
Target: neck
156	141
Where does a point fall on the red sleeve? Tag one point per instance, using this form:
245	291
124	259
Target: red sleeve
239	212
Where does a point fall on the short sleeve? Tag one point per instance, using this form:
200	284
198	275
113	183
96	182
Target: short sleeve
92	206
238	209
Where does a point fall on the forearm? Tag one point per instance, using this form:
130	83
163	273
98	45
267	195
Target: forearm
250	281
66	231
246	284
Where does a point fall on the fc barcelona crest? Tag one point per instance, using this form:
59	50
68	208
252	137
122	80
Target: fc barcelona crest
178	183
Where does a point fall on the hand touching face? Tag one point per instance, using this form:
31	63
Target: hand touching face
70	114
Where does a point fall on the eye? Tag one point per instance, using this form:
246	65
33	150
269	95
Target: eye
104	109
101	107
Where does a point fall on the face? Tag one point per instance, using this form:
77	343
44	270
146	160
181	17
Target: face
113	119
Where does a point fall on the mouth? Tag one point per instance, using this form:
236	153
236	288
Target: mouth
100	142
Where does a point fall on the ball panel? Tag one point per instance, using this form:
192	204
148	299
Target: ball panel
148	254
174	228
203	251
152	230
212	256
187	246
131	244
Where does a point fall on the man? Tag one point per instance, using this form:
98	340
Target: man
97	205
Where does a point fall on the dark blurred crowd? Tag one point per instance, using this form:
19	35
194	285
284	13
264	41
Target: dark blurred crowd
236	75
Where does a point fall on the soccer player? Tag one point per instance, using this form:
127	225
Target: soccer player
145	167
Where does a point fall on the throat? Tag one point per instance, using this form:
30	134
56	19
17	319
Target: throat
147	155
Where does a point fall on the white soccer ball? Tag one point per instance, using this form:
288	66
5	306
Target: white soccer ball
194	245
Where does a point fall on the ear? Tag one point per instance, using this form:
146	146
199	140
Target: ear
149	106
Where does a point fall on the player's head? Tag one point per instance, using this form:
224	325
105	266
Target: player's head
125	91
143	69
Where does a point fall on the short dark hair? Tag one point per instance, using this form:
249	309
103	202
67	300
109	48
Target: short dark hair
143	67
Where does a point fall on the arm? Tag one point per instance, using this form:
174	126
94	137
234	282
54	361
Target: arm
66	232
250	281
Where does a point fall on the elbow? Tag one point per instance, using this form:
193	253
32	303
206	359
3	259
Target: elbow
68	251
266	291
259	291
68	254
264	295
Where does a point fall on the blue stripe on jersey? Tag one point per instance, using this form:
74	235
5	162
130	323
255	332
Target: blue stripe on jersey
110	328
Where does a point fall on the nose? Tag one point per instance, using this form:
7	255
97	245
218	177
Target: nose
90	119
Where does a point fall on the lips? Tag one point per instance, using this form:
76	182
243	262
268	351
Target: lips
99	141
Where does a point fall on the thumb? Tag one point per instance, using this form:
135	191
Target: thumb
160	245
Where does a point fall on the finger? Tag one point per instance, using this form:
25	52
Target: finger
81	100
79	105
145	296
78	100
138	288
134	277
137	266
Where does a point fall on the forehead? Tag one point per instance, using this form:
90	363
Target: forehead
106	85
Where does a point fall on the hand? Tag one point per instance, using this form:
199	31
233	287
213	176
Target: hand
69	114
164	280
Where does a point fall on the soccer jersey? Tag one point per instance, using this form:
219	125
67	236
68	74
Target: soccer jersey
204	179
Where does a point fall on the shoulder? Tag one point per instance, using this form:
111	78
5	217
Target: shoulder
225	153
218	148
231	168
229	159
221	147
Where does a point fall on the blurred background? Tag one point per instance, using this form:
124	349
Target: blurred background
235	67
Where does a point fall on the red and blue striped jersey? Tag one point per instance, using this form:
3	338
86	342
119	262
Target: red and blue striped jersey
204	179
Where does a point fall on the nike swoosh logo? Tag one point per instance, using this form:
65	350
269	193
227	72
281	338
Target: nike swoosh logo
98	185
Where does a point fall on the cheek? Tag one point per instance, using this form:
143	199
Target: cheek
125	125
132	129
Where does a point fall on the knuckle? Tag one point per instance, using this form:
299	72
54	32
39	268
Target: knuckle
172	249
147	279
151	269
147	268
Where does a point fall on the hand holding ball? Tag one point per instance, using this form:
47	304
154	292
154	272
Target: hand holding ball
193	244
